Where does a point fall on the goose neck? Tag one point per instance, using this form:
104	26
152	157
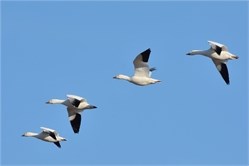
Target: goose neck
201	52
30	134
56	101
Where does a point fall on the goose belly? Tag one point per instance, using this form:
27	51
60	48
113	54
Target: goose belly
47	138
142	81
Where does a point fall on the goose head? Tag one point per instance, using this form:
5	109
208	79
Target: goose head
63	139
91	107
194	52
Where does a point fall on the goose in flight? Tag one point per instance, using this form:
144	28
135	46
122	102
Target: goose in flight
219	55
75	105
48	135
142	74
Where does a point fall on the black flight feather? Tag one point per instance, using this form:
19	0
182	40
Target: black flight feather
75	123
146	55
57	144
224	73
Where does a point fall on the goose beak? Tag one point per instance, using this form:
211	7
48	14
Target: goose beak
91	107
236	57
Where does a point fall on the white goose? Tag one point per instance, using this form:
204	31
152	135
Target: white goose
220	55
75	105
142	75
48	135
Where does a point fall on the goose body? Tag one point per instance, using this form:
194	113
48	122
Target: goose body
142	74
48	135
220	55
75	105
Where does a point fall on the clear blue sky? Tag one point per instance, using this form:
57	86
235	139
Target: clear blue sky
50	49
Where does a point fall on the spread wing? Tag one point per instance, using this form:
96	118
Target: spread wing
75	100
57	144
75	119
52	133
222	68
217	47
151	70
141	64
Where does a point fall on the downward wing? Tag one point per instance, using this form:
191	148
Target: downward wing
222	68
57	144
75	119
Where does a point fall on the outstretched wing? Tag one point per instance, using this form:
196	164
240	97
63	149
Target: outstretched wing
151	70
75	97
217	47
222	68
57	144
75	100
75	119
52	133
141	64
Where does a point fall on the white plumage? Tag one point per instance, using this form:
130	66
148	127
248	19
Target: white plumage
75	105
142	73
219	55
48	135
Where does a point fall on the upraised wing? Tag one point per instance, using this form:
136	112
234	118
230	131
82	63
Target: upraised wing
141	64
50	132
75	100
217	47
75	97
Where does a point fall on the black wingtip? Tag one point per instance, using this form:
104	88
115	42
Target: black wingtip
146	55
224	73
152	69
57	144
75	123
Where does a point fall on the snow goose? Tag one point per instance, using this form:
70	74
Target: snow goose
75	105
219	55
142	75
48	135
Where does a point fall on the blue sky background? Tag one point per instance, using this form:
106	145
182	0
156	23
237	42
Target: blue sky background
50	49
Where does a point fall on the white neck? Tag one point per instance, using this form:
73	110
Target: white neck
56	101
30	134
200	52
124	77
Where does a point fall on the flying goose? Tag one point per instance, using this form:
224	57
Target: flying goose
48	135
219	55
142	74
75	105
